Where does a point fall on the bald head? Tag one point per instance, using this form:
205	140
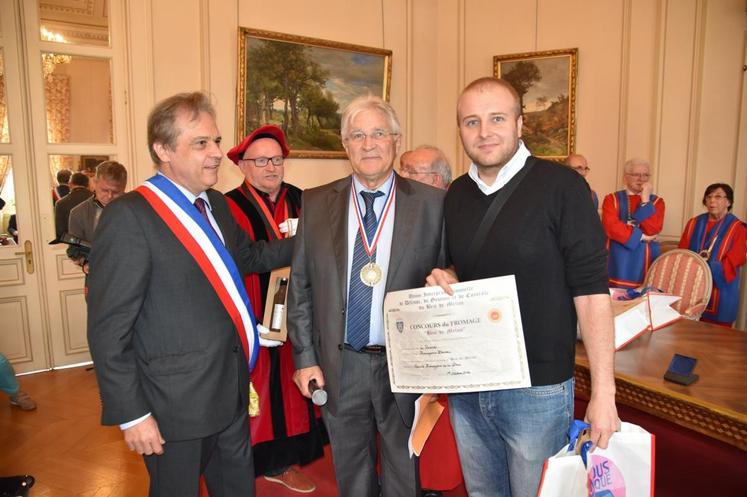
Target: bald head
578	163
426	164
488	84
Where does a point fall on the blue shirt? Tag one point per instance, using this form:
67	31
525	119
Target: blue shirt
383	250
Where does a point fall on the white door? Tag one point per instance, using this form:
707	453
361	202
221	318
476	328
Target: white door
73	86
22	313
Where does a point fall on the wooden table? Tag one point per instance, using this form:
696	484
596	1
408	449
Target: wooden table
715	405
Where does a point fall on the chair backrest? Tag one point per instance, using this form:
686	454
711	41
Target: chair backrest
683	272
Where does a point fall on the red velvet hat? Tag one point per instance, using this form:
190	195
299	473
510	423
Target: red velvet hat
266	131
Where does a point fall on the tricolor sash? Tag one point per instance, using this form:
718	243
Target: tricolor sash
203	244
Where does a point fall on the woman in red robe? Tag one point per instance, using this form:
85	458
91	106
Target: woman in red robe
720	238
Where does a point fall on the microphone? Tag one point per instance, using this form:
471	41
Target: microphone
318	395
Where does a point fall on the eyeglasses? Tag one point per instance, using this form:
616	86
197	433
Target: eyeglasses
715	197
277	161
582	168
639	175
376	135
413	172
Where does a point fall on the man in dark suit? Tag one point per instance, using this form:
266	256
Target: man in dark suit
78	193
63	185
169	326
353	246
110	183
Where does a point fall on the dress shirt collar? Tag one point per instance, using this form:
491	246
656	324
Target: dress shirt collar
505	174
190	196
379	202
383	188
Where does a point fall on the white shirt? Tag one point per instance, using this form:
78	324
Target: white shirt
383	251
505	174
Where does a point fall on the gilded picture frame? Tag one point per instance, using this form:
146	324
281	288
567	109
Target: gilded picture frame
302	84
546	83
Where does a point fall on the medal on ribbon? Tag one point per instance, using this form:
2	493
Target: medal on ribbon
706	253
371	273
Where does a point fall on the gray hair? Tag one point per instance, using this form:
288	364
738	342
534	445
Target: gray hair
162	118
111	170
439	166
364	103
630	163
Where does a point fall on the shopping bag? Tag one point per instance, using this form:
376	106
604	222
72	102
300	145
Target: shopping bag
624	469
564	475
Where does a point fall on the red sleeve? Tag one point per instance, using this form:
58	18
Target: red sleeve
686	234
251	280
737	253
240	218
654	224
615	229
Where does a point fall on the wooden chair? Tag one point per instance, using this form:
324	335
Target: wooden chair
683	272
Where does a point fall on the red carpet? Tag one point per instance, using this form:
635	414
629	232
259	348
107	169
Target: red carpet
323	474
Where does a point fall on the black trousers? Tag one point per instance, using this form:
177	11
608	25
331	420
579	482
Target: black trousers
225	459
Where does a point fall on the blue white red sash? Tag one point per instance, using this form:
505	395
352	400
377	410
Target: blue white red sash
203	244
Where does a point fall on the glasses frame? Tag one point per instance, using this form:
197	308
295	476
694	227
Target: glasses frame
266	160
639	175
355	136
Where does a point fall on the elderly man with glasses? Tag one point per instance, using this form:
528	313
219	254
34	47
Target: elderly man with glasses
632	218
285	431
359	237
426	164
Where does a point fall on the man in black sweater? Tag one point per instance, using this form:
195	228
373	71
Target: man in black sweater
549	236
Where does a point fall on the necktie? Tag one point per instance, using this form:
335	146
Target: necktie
202	207
360	294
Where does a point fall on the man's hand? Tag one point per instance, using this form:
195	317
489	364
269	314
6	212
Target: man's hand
648	189
443	278
597	331
144	438
303	376
601	414
649	238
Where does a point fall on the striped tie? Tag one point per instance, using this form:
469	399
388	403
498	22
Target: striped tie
359	295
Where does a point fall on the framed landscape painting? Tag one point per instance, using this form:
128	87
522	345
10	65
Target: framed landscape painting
302	85
546	83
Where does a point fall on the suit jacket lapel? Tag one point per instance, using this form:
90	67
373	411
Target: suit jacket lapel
405	214
338	200
221	217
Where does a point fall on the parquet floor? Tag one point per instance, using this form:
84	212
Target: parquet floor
63	445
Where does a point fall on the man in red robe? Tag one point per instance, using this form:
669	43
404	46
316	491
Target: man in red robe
286	433
632	219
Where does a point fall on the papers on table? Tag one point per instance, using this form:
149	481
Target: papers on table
646	313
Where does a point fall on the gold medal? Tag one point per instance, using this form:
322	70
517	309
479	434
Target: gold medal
370	274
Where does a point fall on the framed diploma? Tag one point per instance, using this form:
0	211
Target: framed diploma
276	305
467	342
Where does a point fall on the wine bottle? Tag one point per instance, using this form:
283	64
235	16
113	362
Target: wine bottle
278	305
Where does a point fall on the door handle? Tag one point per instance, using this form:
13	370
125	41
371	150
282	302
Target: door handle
28	253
